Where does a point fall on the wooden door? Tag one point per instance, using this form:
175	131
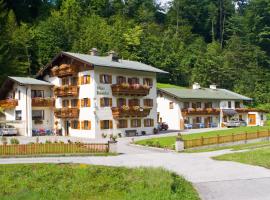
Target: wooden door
251	119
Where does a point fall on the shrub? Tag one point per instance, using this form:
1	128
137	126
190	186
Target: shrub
48	142
149	143
4	140
104	135
14	141
157	144
119	135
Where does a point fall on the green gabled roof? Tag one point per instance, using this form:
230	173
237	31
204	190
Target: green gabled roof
204	93
106	61
29	81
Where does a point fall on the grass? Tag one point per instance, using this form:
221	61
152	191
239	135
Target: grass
80	181
168	142
167	85
259	157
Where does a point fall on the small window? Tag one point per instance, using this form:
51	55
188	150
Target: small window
18	115
85	102
229	104
186	105
74	103
194	105
74	81
208	105
19	95
105	78
122	123
198	120
135	123
148	122
120	80
121	102
75	124
171	105
134	102
86	125
105	102
240	117
148	102
133	81
237	104
262	117
148	82
198	105
106	124
85	79
37	114
65	103
37	93
65	81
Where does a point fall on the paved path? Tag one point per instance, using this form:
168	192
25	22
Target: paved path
214	180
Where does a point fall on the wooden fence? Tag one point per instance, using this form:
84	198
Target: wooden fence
204	141
54	148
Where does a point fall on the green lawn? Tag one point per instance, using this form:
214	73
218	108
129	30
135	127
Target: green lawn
80	181
258	157
167	85
168	142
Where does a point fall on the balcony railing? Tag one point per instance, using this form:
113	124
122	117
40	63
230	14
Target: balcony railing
65	91
64	70
8	103
131	90
200	111
43	102
245	110
134	111
67	113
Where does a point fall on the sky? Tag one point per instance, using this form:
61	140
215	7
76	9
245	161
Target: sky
163	2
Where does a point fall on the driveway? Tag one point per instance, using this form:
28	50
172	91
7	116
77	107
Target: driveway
214	180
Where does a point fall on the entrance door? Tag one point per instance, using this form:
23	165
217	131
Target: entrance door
67	125
251	119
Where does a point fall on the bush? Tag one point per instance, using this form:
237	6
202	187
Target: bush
149	143
4	140
157	144
119	135
48	142
104	135
14	141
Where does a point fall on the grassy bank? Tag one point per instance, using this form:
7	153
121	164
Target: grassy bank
168	142
65	181
259	157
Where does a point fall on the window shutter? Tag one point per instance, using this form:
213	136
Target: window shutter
88	102
82	102
88	79
101	102
72	124
110	78
81	80
101	124
139	123
126	123
82	124
78	103
79	125
144	123
101	78
111	124
145	102
110	102
89	125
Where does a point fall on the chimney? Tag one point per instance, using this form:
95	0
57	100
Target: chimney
213	86
196	86
113	56
93	52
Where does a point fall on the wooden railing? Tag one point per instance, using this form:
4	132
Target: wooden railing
205	141
130	90
67	113
43	102
65	91
245	110
8	103
52	148
133	111
64	70
200	111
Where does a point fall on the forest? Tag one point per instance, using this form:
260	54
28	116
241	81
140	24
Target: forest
226	42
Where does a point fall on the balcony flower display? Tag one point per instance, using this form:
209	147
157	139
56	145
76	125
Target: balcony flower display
124	85
145	86
135	86
191	109
136	108
124	107
199	109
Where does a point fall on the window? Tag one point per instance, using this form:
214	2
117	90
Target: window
134	102
105	102
237	104
229	104
186	105
74	81
105	78
65	81
75	124
18	115
148	102
171	105
37	93
208	105
262	117
240	117
122	123
194	105
85	102
133	80
65	103
121	102
148	82
74	103
85	79
86	125
19	95
135	123
198	105
187	120
120	80
148	122
37	114
198	120
106	124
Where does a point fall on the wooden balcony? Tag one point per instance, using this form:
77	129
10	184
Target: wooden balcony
64	70
201	111
134	111
67	113
65	91
8	103
43	102
246	110
130	90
